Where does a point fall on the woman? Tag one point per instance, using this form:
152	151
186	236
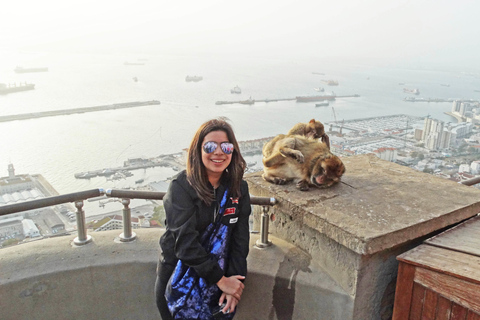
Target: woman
211	183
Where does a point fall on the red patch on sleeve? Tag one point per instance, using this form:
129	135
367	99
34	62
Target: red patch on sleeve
229	211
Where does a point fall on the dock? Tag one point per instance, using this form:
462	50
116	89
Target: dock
34	115
253	101
413	99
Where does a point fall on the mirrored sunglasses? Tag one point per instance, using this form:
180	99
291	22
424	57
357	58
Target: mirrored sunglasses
211	146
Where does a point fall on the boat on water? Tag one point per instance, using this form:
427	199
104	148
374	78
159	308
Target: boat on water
236	89
324	103
331	82
27	70
315	98
85	175
319	89
193	78
139	181
4	88
248	101
412	91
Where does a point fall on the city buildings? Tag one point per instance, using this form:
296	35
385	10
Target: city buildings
113	222
32	223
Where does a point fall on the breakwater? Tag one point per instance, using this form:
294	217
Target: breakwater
252	101
33	115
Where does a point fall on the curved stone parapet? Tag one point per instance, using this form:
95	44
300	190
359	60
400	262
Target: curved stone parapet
108	279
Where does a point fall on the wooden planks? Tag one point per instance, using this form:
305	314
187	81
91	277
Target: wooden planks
457	290
440	280
455	263
464	237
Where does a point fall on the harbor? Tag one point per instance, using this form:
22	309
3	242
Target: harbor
64	112
176	161
11	88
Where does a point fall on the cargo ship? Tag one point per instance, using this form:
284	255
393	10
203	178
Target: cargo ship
248	101
324	103
4	89
315	98
193	78
331	82
27	70
236	89
412	91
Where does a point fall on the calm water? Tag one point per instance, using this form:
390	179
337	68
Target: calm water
58	147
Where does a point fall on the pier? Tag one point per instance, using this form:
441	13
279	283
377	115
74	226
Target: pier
252	101
413	99
34	115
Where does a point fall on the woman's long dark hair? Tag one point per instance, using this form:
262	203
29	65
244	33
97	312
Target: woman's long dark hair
196	172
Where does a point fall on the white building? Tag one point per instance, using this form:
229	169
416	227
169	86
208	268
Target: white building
113	222
464	168
463	129
435	136
389	154
475	167
30	230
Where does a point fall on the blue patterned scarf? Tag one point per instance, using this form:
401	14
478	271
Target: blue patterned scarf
188	295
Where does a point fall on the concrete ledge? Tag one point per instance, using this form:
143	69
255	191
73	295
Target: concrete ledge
110	280
380	204
355	229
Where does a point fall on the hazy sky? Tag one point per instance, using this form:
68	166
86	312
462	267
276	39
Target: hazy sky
430	30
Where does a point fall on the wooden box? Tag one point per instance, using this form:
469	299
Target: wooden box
440	279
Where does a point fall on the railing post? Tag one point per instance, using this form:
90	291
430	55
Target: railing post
127	234
263	242
82	237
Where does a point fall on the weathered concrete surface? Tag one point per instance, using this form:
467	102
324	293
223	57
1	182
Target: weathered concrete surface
106	279
355	229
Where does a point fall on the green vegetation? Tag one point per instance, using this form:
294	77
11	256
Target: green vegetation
159	215
10	242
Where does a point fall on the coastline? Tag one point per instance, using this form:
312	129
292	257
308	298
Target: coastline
459	118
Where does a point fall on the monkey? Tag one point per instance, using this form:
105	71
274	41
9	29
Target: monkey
313	130
289	157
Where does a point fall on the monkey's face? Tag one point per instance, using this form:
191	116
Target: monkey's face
315	130
327	172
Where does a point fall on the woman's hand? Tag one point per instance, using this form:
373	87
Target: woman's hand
232	286
231	303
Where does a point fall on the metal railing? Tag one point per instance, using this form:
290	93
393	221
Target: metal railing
78	199
470	182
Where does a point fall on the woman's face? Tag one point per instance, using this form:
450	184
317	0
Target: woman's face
217	161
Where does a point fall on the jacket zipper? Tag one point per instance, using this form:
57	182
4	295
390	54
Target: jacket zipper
216	204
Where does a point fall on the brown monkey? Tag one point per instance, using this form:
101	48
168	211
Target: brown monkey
313	130
288	157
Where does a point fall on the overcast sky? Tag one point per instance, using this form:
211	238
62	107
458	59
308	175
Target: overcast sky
431	30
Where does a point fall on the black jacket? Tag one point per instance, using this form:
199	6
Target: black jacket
187	218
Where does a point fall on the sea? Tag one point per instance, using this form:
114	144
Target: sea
60	146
